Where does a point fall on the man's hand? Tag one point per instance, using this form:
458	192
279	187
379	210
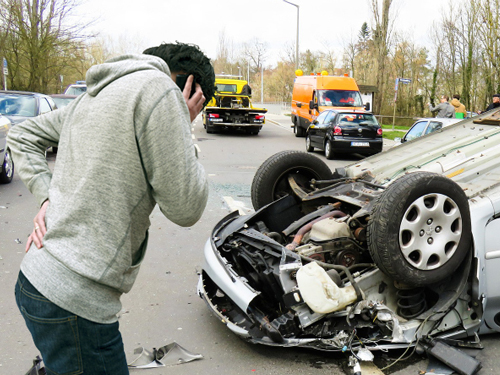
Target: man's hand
195	103
37	235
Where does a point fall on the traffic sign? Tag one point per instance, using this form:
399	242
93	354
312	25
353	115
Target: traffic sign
405	80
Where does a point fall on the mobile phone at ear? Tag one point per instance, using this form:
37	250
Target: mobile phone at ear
181	80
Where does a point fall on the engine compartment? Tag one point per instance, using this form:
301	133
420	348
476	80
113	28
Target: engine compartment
269	249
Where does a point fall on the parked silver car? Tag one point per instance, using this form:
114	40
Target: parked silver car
18	106
397	249
425	126
7	164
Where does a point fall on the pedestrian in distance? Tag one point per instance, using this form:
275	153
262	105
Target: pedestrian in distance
443	109
460	111
495	103
123	147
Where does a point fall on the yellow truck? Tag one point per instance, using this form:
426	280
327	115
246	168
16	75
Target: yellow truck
231	107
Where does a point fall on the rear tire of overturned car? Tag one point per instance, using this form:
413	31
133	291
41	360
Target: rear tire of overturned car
420	231
271	179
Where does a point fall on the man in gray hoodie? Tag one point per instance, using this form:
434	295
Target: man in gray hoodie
443	109
124	147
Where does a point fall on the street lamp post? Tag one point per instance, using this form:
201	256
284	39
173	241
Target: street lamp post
297	41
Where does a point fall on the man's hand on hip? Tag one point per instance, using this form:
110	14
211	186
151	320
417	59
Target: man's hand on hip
40	229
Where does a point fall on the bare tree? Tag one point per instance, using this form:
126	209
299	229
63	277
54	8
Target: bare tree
225	54
39	39
382	32
255	51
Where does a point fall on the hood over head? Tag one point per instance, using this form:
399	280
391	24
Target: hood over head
99	76
455	103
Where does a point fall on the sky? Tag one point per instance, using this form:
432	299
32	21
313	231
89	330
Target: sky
329	24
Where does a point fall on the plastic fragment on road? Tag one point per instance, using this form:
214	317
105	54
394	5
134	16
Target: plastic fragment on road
18	241
168	355
37	368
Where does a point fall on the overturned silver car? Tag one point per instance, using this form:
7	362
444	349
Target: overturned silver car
393	250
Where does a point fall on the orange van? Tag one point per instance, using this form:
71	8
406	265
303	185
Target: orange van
315	93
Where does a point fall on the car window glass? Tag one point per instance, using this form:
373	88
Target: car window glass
75	90
433	126
416	130
224	87
44	106
339	98
15	105
329	118
52	103
357	118
321	118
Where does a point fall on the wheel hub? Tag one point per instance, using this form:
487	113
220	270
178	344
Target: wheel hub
430	231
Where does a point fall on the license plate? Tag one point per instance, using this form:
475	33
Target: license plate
360	144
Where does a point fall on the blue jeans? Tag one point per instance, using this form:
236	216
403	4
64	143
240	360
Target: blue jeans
68	343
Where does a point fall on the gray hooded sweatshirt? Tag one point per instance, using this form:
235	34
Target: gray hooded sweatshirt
124	146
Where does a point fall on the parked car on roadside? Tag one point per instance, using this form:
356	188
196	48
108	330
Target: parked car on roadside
7	164
77	88
62	100
17	106
425	126
393	251
338	131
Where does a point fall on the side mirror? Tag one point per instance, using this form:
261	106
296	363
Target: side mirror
315	122
313	105
367	106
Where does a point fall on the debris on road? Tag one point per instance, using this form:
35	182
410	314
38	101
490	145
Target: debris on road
168	355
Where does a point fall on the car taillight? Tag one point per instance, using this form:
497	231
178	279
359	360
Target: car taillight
379	131
259	117
337	130
213	115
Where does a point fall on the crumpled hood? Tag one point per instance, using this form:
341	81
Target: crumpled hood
99	76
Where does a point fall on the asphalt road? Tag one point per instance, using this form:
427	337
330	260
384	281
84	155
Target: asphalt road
163	306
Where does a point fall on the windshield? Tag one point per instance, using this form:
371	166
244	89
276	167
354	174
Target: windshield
76	90
17	105
339	98
223	87
357	118
62	102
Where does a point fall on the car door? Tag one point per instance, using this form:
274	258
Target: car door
326	128
317	131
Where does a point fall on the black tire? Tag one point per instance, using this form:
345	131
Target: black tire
329	150
210	129
420	231
299	132
309	148
271	179
252	130
7	172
